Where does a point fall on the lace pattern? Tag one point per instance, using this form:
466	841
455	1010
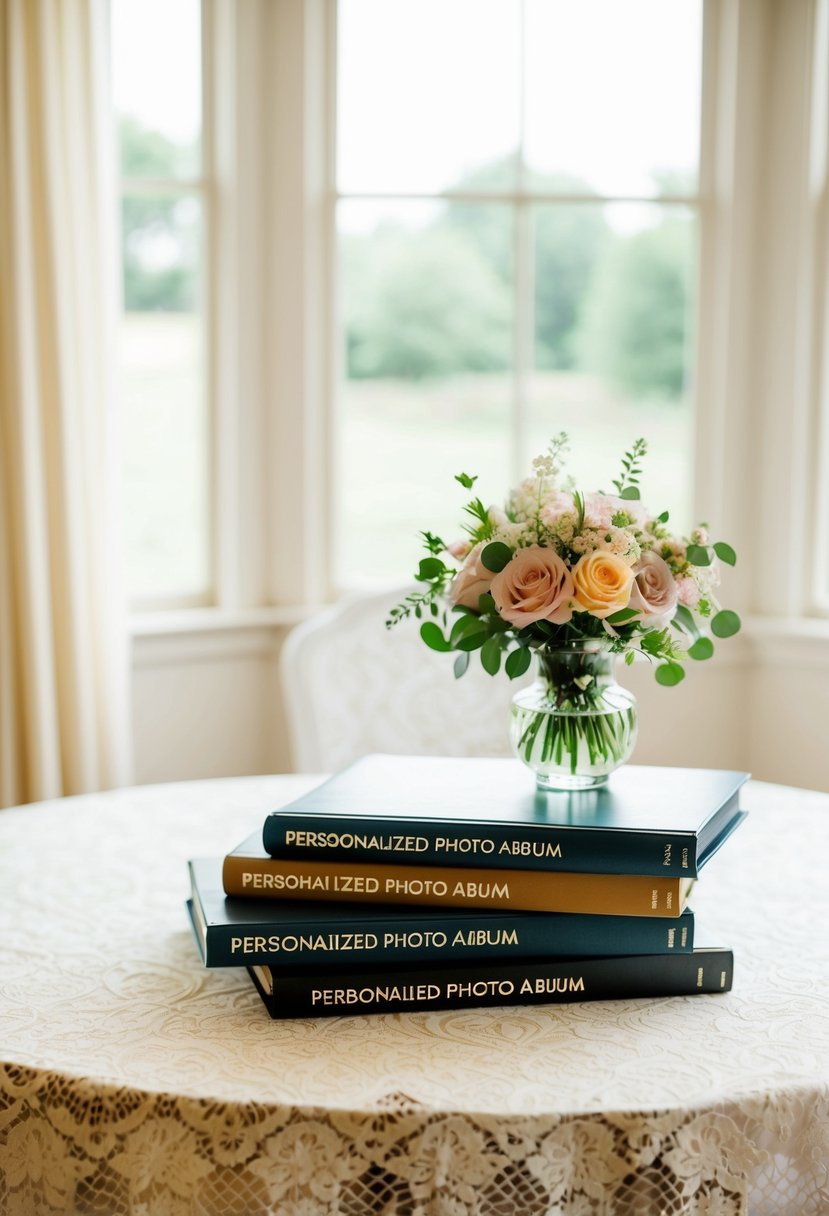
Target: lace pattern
135	1082
75	1147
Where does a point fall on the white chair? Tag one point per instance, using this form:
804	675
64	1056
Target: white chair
351	686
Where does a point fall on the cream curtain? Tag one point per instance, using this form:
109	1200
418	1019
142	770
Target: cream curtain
63	688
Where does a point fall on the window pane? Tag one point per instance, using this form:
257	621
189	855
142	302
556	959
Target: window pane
427	311
613	95
614	298
428	95
163	399
156	74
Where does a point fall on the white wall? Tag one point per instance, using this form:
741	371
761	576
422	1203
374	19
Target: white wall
211	707
207	705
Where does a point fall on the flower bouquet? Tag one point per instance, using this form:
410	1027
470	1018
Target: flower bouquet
574	579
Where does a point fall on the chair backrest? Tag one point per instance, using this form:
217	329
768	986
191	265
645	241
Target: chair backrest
351	687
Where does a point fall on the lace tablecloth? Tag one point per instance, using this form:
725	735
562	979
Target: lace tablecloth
134	1081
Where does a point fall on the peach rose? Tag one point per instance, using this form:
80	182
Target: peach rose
654	591
535	586
603	583
472	580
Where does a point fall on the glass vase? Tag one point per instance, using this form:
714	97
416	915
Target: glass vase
574	724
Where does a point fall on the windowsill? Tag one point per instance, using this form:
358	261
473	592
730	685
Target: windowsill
209	635
213	620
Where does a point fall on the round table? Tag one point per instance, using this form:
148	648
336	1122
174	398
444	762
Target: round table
132	1080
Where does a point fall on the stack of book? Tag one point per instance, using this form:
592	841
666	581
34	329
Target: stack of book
414	883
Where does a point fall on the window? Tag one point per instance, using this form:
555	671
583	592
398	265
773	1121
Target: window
164	389
518	213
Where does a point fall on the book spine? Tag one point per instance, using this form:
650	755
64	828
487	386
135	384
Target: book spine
443	886
391	841
414	939
526	983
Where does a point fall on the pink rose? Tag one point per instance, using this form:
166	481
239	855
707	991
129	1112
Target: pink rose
472	580
654	592
535	586
459	549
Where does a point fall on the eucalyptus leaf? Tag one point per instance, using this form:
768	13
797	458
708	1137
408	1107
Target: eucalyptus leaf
703	648
495	556
725	624
491	656
664	517
669	674
518	661
461	664
725	553
433	637
630	493
698	555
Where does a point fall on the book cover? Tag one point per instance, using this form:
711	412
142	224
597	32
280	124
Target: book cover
250	871
286	935
439	810
532	982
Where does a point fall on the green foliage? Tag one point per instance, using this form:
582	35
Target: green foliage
423	303
433	544
429	568
669	674
496	556
622	616
725	553
482	526
465	480
627	482
461	664
151	222
725	624
635	331
491	656
578	503
568	243
698	555
703	648
433	636
518	662
685	619
436	300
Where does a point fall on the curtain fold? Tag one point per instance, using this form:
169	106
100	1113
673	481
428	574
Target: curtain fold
64	720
